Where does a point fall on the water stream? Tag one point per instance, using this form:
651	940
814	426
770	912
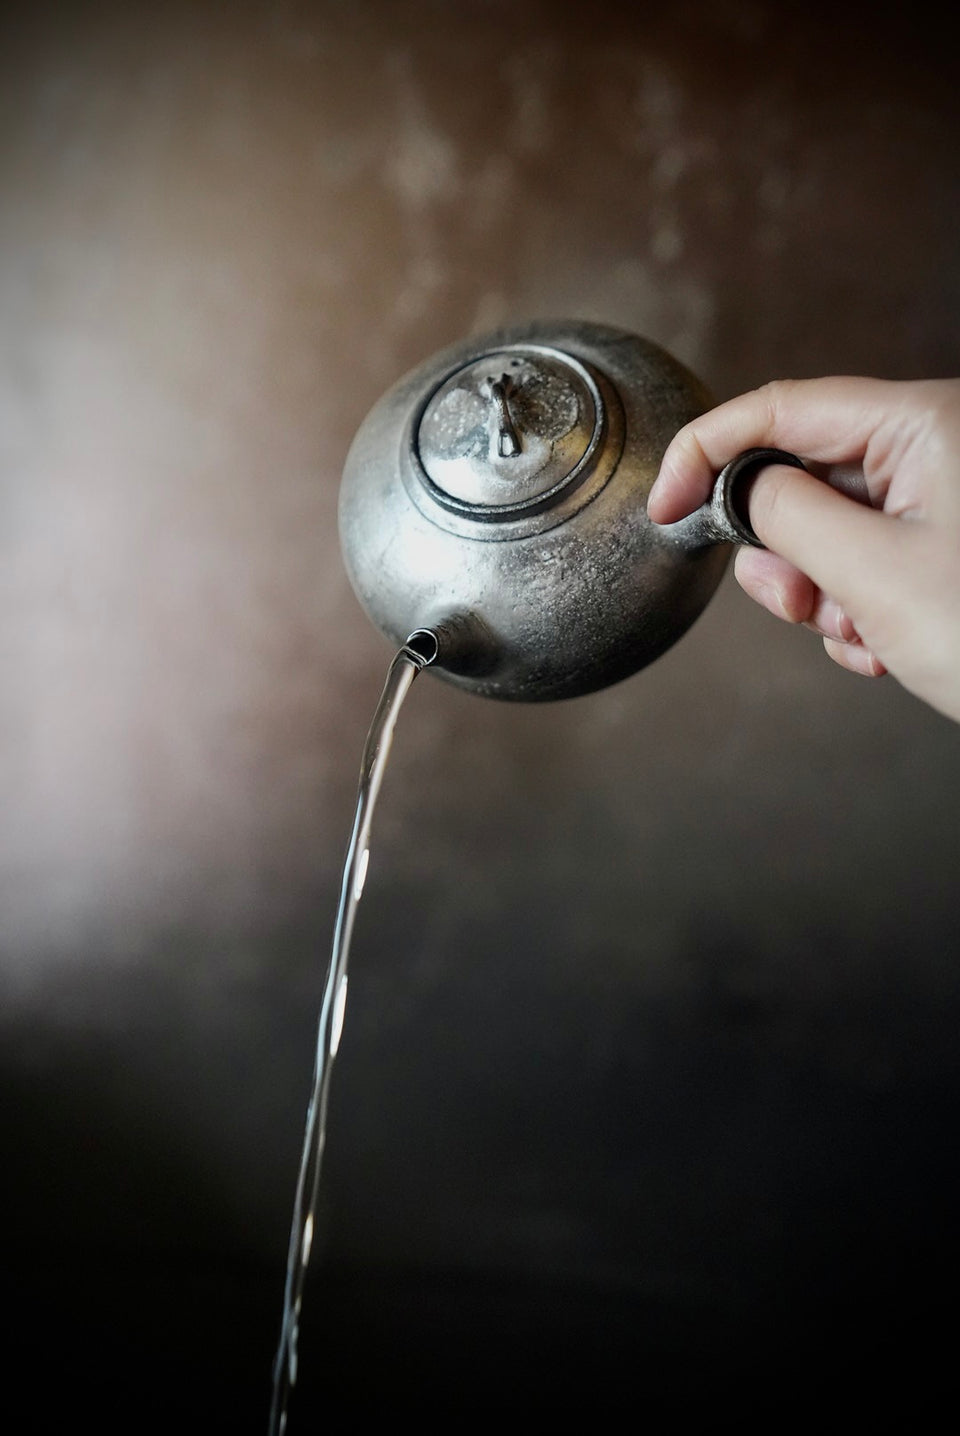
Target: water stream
420	649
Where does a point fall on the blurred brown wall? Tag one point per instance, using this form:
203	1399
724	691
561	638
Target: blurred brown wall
657	988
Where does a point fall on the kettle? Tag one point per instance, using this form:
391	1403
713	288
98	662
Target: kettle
495	499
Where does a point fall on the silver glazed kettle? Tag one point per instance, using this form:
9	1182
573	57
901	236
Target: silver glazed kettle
497	493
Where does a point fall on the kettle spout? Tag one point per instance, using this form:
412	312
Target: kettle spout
463	644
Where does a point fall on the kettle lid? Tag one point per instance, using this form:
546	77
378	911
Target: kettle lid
510	432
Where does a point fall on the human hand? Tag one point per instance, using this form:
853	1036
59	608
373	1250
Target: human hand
878	579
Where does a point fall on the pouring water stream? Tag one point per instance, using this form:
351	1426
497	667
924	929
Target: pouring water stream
420	649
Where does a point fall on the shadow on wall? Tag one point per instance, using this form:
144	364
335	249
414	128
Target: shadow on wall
836	1233
761	1196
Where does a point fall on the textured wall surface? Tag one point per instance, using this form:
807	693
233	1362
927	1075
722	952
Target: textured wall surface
649	1081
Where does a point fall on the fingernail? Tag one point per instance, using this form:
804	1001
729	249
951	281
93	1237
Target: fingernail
846	627
771	600
834	622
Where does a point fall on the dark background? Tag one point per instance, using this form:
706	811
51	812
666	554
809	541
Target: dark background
649	1084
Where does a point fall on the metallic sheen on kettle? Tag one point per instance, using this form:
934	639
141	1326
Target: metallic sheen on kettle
496	495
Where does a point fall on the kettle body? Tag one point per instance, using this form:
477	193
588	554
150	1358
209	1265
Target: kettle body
496	495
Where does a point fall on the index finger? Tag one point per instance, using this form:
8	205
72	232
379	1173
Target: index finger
821	420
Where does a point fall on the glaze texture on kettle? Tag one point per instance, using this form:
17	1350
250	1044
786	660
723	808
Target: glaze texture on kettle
497	495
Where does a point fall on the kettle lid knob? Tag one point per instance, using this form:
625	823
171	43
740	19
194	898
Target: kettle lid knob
510	432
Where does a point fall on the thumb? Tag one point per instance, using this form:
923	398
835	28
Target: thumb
850	551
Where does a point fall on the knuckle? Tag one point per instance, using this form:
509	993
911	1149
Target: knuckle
774	397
